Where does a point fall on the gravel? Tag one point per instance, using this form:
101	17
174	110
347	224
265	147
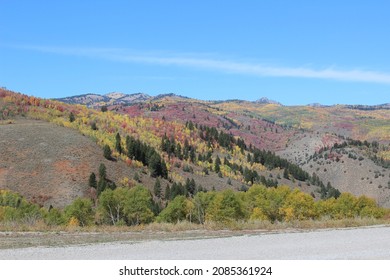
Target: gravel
357	243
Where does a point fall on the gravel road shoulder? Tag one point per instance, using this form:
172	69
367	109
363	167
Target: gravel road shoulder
352	243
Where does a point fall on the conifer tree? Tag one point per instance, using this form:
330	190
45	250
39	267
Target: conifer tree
118	145
107	152
157	188
92	181
72	117
217	164
102	171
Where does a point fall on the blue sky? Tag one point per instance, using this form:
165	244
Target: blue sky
295	52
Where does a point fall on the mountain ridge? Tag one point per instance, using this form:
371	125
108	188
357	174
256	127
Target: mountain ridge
130	98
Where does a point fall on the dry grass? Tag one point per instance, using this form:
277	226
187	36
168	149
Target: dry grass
40	226
15	235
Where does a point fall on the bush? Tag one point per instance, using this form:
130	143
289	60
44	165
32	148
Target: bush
54	217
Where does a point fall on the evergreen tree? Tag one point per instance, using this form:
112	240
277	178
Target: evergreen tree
102	185
155	165
118	145
217	164
92	181
164	169
167	194
285	174
94	126
107	152
130	147
192	155
72	117
102	171
157	188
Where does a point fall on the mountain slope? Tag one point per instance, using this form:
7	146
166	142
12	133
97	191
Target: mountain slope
47	163
192	135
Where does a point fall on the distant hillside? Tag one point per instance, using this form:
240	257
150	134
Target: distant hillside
369	107
265	100
346	121
114	98
89	99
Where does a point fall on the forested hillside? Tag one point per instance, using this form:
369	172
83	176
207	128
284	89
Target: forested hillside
193	157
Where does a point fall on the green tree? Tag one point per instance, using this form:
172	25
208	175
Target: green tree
298	206
118	144
139	206
13	207
155	165
367	207
71	117
201	202
157	188
178	209
94	126
102	183
164	169
190	186
82	210
285	174
226	207
275	198
111	206
92	181
107	152
346	206
101	186
130	206
167	194
102	171
217	164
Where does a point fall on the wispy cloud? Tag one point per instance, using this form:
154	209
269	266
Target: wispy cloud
228	66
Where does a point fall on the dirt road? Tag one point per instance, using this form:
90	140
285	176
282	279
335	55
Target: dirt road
357	243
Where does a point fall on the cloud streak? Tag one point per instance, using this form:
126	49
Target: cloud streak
227	66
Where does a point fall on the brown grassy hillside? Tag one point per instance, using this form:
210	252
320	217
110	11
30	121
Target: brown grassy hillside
50	164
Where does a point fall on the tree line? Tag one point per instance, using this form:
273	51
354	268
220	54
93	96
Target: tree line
135	206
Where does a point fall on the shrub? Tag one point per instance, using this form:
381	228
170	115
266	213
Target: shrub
54	217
